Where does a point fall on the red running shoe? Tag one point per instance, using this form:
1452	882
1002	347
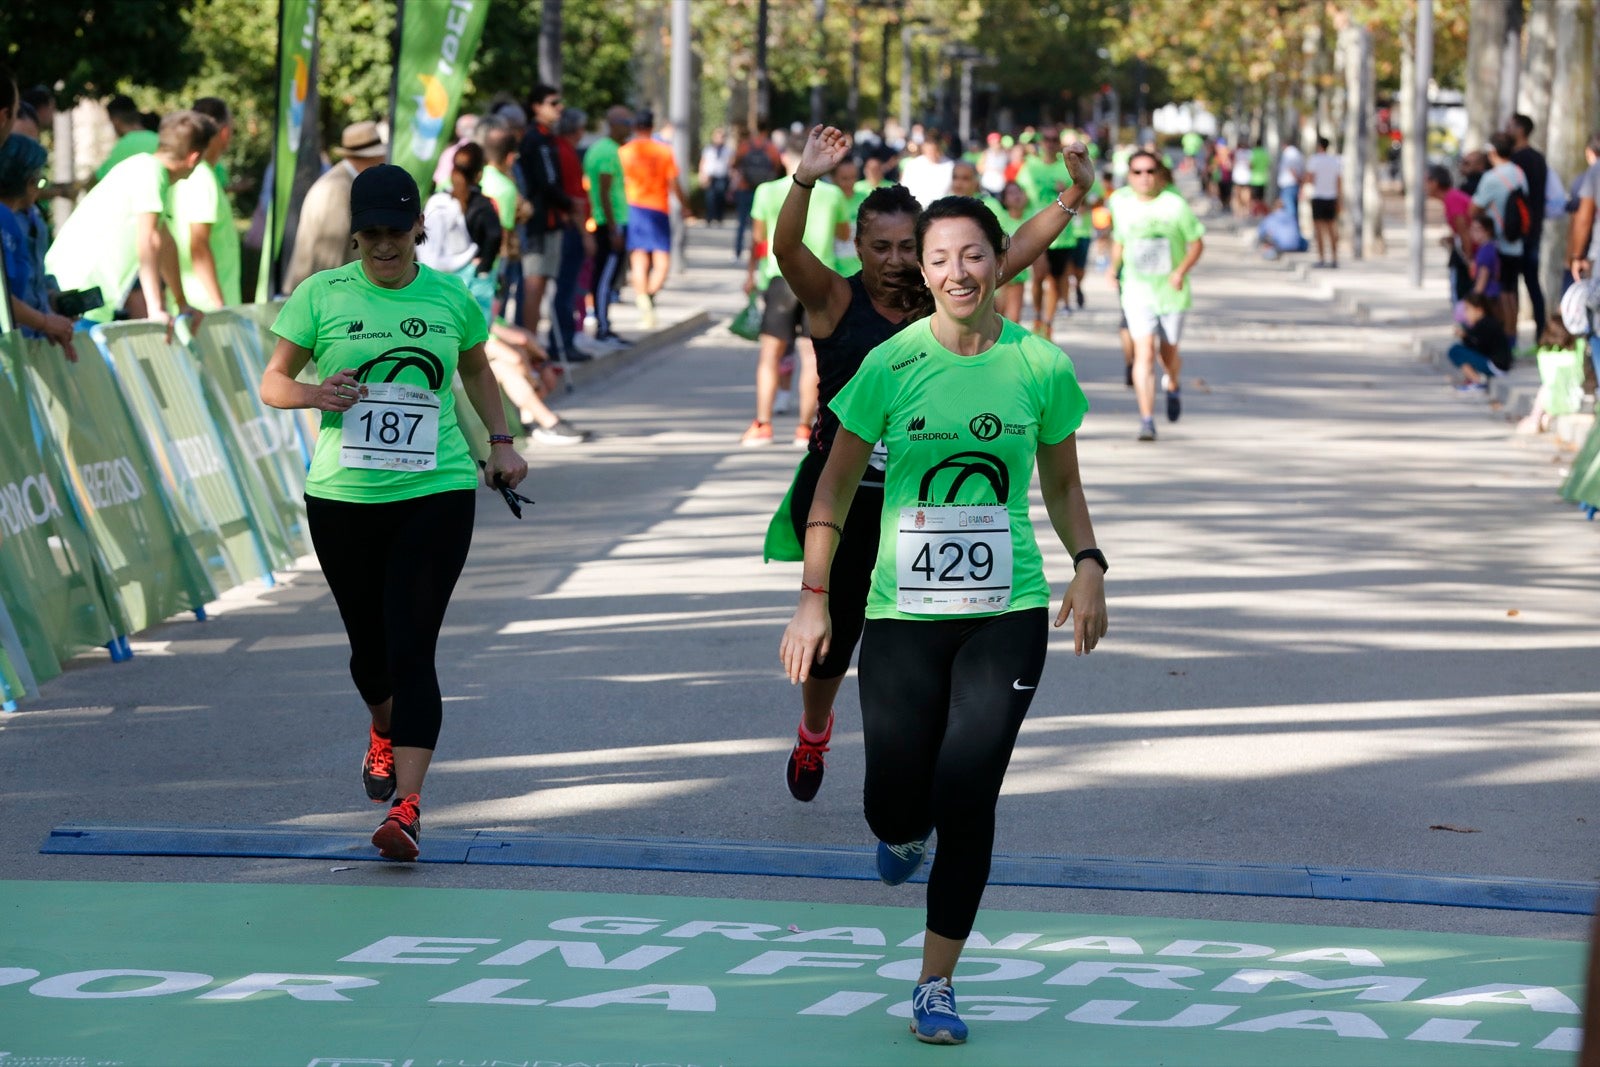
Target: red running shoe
806	765
377	768
397	836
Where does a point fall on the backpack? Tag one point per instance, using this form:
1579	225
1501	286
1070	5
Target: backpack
1516	220
756	165
1578	304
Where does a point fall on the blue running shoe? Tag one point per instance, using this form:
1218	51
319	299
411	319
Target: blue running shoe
896	863
933	1014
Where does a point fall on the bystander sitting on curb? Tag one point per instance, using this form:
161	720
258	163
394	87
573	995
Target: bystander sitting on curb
1482	351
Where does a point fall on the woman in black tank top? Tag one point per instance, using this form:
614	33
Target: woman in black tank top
847	318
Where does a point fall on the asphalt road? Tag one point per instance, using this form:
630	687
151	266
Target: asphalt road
1346	608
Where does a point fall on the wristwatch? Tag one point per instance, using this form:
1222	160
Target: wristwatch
1094	554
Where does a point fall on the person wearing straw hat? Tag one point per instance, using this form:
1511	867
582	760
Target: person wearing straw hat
322	238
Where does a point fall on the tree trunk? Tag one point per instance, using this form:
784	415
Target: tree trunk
1485	51
1361	209
1533	93
1310	98
1573	76
550	43
1510	62
1402	117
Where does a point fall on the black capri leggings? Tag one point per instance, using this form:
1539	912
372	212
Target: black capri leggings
941	704
392	568
853	561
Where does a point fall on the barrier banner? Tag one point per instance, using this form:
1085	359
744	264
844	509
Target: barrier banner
297	149
261	443
47	570
308	422
147	569
438	39
164	394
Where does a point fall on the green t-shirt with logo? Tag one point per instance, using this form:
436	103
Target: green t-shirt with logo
1155	235
133	143
503	191
412	336
826	210
1010	226
200	198
1043	182
602	158
98	244
961	430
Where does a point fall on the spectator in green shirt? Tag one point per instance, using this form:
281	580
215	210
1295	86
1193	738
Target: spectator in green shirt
132	137
202	223
602	166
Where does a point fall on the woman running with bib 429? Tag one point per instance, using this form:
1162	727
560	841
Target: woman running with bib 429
389	498
847	318
965	402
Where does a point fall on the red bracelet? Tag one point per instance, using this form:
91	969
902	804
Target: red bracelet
817	589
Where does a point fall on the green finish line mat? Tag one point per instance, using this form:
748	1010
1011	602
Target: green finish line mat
322	976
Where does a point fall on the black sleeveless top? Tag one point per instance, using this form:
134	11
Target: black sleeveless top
840	354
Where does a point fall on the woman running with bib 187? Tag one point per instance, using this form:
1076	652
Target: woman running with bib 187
389	498
847	318
965	402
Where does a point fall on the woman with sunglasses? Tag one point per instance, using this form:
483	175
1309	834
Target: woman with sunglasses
965	403
389	497
847	318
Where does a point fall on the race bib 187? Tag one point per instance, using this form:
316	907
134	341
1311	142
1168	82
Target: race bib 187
393	428
953	560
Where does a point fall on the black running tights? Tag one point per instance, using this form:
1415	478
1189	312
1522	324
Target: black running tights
392	568
941	703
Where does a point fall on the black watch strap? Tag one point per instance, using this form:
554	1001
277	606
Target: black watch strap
1094	554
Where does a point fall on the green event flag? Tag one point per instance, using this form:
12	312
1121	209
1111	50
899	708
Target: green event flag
297	149
148	570
438	39
47	572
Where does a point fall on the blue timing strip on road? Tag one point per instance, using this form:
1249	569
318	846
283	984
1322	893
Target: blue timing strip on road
834	861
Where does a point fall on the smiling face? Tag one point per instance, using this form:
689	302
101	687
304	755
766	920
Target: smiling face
960	267
387	255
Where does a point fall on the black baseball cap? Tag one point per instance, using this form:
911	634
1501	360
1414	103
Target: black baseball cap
384	195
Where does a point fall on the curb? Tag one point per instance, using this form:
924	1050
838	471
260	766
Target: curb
611	364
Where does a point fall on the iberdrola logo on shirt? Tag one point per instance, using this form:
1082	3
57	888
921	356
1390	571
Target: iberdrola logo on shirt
400	359
944	482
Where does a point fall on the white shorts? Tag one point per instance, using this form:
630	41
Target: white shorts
1142	322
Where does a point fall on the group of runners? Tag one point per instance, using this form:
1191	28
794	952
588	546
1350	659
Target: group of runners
910	509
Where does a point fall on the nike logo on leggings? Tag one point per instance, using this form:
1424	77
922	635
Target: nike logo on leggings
1018	685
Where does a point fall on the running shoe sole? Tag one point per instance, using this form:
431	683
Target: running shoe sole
394	842
940	1036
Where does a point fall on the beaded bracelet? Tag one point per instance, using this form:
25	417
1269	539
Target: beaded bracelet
835	527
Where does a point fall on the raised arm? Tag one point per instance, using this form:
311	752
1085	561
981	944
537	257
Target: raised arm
819	288
1035	235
